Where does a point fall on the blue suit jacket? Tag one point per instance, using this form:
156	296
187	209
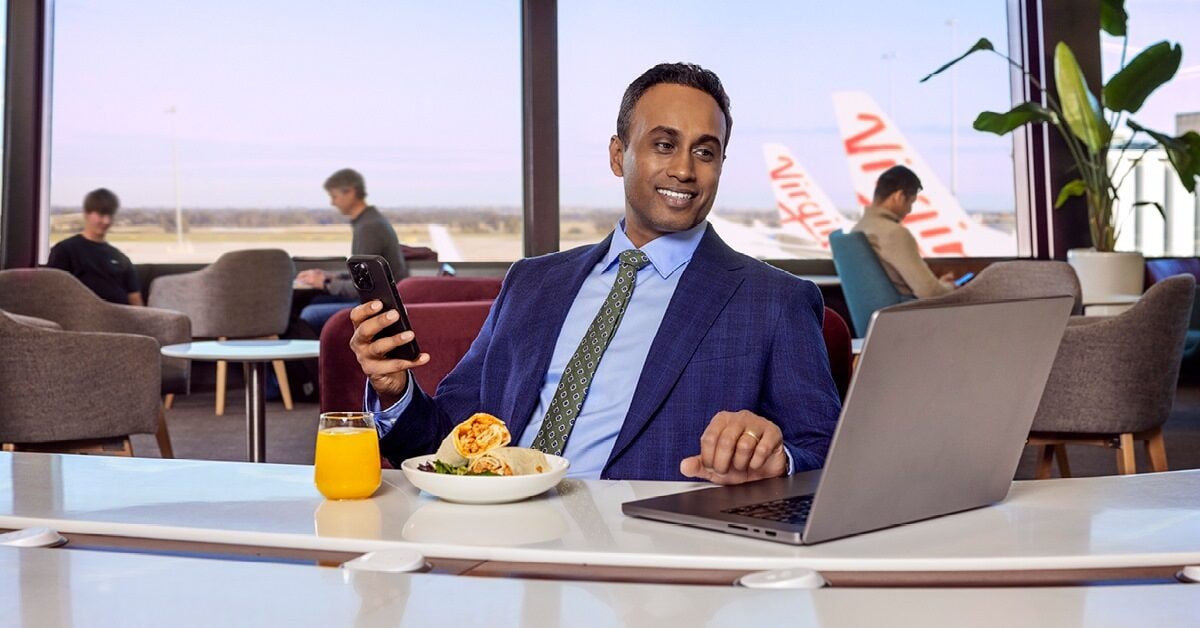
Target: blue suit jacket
737	335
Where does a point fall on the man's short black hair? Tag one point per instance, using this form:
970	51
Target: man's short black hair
101	201
347	178
896	178
687	74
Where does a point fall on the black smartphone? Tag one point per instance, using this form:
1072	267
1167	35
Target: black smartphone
373	279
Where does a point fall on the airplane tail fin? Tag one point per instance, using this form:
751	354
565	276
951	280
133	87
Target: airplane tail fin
873	143
805	211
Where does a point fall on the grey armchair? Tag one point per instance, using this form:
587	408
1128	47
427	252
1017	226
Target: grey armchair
57	392
1019	279
244	294
57	296
1114	380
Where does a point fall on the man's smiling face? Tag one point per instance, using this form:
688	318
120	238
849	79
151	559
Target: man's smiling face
672	161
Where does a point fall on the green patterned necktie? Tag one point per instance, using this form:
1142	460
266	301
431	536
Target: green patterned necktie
573	388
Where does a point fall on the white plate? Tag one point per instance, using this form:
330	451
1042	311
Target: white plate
477	489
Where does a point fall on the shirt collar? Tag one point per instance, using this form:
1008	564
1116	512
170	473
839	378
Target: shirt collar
366	210
668	253
883	213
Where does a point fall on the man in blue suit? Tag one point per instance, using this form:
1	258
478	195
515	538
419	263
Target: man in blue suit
659	353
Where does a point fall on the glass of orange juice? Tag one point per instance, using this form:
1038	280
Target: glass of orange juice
347	459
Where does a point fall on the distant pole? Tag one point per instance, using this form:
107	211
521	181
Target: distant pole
175	176
953	24
888	57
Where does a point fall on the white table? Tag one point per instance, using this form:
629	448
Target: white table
254	356
1086	523
59	587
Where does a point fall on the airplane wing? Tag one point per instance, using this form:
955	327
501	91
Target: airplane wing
805	211
873	144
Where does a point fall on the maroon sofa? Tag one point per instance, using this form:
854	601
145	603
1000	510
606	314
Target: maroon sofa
446	313
445	331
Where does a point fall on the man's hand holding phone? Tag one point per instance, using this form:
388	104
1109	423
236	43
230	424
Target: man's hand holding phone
389	377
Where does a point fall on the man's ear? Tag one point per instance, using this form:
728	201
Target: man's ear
616	156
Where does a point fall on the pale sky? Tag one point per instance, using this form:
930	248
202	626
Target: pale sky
271	96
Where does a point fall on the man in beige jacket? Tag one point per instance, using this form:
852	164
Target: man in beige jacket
895	191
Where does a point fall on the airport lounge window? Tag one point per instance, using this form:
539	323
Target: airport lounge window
217	123
3	56
822	101
1173	109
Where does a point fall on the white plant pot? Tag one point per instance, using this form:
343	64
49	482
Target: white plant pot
1103	276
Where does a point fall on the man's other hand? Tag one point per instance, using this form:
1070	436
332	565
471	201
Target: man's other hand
737	447
388	377
313	278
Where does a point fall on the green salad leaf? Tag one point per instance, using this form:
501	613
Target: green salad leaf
437	466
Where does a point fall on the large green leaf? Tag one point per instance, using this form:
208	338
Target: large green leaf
1182	151
1080	110
1113	17
1135	82
982	44
1022	114
1075	187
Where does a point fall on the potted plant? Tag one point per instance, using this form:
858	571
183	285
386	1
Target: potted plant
1087	121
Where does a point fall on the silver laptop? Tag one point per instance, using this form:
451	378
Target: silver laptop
934	422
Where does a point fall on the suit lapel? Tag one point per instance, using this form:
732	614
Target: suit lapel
707	284
547	303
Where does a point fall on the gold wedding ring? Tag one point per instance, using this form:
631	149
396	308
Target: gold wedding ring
756	437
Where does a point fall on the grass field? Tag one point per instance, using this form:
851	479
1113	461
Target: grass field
151	244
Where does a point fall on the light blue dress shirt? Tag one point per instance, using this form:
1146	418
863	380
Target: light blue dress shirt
616	378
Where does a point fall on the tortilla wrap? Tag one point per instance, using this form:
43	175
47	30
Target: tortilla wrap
475	436
510	461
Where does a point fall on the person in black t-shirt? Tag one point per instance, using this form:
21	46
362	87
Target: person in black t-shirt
98	264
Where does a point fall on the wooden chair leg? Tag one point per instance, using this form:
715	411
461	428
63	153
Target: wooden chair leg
1126	461
1045	462
285	390
1064	465
222	371
126	448
163	436
1156	450
168	400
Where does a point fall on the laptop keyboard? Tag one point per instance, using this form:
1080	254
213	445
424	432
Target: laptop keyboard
793	510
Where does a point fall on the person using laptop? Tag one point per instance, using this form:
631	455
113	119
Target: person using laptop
372	234
659	353
895	192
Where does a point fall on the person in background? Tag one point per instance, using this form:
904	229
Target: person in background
99	265
372	234
659	353
895	192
